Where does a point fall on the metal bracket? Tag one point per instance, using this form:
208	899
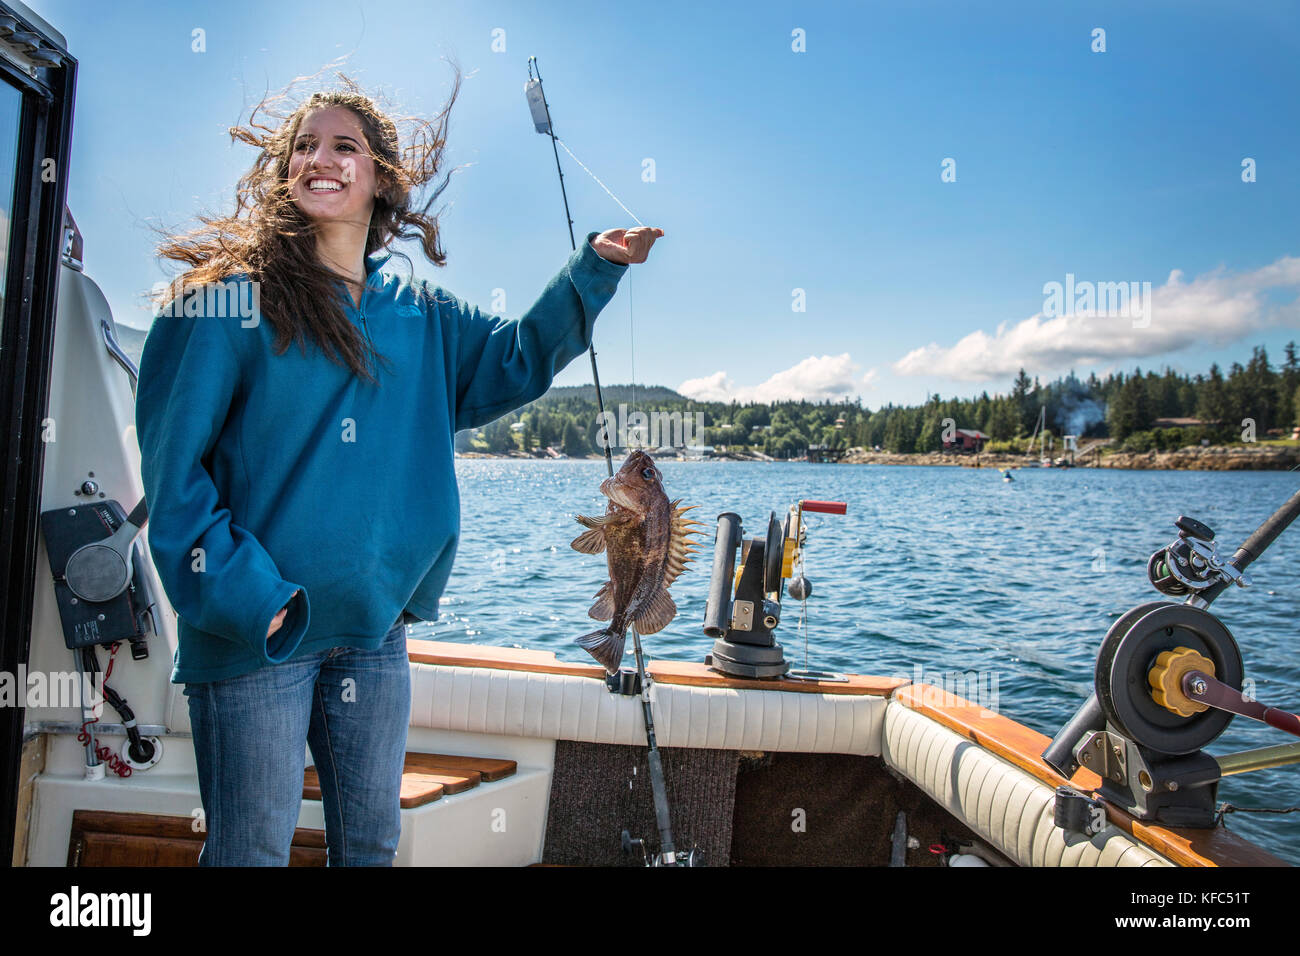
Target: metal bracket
1103	754
742	615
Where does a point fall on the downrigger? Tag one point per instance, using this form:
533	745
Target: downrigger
1169	679
743	623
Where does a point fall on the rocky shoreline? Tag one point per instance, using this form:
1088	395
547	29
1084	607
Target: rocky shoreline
1213	458
1192	458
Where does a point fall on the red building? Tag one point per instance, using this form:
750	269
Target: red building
966	439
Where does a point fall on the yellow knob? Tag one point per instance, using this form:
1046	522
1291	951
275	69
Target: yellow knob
1166	680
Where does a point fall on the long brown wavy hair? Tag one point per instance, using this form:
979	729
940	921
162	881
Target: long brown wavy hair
274	243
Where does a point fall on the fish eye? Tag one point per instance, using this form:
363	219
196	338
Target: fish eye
647	473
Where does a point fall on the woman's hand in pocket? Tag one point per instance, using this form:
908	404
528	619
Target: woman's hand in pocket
279	617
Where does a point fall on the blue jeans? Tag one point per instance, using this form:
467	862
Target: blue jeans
352	707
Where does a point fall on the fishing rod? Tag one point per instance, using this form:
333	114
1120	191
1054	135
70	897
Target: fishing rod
542	123
667	855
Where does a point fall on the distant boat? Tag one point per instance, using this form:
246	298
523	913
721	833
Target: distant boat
1040	433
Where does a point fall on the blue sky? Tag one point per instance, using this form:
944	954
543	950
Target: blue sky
775	170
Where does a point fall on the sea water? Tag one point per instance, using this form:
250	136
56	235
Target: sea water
992	589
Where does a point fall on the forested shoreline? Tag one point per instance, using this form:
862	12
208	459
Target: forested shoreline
1242	405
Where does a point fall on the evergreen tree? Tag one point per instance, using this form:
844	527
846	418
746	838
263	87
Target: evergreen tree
1131	410
930	437
499	438
1003	421
1288	380
1212	404
575	443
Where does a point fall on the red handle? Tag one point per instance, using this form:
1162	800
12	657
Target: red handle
828	507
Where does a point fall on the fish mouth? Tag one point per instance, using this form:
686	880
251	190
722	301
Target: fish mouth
616	492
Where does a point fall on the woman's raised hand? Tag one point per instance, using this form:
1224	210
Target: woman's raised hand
626	246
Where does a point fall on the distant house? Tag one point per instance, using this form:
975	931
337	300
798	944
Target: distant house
1179	423
966	439
825	453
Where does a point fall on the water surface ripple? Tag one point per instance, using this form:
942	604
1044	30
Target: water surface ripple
933	571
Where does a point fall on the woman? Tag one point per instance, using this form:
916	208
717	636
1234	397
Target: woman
303	503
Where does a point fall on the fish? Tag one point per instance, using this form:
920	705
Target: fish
647	544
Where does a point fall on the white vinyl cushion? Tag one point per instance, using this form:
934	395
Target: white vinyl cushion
562	707
1010	809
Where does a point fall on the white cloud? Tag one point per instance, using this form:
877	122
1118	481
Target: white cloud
814	379
1216	308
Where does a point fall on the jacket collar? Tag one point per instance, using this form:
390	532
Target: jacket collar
376	259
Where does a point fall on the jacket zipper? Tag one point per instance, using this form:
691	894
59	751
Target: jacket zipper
362	311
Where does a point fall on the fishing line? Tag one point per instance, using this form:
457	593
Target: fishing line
631	319
598	182
631	338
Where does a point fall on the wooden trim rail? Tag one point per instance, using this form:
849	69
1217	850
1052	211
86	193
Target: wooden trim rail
1023	747
666	672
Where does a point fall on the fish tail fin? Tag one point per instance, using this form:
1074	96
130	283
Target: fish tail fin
606	646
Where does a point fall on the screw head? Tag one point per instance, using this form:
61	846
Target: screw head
1199	686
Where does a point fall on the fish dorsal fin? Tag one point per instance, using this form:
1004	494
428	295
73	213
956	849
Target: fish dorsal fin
681	547
656	615
603	609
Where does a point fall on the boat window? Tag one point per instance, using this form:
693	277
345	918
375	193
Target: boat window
10	105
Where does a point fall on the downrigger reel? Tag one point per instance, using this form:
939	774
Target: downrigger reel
743	623
1169	679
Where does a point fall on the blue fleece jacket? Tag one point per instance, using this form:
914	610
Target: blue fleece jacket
271	474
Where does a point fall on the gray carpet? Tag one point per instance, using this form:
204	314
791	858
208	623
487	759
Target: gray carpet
601	789
846	807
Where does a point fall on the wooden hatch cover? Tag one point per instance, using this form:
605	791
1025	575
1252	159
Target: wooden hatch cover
426	777
110	838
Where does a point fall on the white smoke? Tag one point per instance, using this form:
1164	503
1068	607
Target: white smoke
1078	411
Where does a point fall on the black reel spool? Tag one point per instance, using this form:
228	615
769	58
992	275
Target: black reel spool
1129	652
1176	570
773	554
